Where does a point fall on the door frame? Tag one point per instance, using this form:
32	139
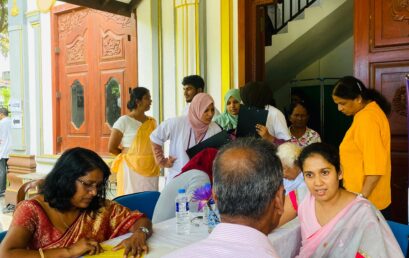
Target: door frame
251	41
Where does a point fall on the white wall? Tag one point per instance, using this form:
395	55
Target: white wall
47	83
168	60
144	30
213	56
4	64
337	63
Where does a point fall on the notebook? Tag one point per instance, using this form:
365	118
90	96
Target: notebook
216	141
247	120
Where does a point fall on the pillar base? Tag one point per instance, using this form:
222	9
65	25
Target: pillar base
19	168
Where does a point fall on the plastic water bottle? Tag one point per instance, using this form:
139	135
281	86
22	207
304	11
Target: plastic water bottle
182	213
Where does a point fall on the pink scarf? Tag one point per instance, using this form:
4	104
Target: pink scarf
196	110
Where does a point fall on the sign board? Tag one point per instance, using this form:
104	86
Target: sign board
15	105
17	121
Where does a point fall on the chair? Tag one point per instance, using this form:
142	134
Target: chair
144	202
26	187
190	181
401	232
2	235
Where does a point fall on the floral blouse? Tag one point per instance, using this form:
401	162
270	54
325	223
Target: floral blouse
310	136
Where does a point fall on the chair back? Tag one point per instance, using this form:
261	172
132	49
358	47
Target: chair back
144	202
2	235
401	232
26	187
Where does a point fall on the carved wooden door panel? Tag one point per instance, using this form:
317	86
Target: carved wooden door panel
381	61
95	64
115	48
75	80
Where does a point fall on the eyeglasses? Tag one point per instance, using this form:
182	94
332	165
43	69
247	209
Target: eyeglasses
90	186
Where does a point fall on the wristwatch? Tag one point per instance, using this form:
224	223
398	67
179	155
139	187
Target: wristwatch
145	230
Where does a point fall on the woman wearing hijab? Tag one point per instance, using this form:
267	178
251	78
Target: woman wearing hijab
184	132
228	120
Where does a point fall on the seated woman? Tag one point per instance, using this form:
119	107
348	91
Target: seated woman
183	133
335	222
293	178
300	133
71	216
196	173
228	120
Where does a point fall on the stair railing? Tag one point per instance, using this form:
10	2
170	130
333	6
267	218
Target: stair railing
284	11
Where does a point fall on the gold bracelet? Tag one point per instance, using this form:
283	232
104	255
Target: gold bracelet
41	253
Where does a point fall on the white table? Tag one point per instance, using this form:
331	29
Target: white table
285	240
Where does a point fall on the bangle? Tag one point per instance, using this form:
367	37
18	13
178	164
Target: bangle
41	253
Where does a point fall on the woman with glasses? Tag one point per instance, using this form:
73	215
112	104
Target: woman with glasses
300	133
71	216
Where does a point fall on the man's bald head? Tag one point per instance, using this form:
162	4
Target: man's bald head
246	176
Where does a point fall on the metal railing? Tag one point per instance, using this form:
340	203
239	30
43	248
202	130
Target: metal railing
284	11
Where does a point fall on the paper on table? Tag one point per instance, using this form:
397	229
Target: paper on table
108	253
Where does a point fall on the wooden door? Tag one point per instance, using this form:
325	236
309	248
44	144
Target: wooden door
94	65
381	35
251	15
115	49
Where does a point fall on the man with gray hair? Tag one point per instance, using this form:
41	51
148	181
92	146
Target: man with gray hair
5	146
248	190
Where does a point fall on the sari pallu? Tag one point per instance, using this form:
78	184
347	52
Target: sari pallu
139	156
359	230
108	222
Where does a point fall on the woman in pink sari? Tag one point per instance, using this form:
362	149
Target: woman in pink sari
71	216
335	222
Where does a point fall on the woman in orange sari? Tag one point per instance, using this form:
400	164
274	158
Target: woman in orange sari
71	216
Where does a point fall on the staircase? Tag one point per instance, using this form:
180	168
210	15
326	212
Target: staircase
325	25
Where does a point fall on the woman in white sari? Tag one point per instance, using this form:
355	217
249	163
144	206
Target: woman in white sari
335	222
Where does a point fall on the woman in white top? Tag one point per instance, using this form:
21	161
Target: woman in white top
134	164
259	95
184	132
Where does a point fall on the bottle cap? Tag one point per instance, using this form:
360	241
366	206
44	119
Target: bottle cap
181	190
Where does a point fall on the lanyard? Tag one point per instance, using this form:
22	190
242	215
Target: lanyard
190	135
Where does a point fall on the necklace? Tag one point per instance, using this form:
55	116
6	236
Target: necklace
62	220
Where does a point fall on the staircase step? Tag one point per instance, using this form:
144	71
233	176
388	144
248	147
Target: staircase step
297	27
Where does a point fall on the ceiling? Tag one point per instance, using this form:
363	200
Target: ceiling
121	7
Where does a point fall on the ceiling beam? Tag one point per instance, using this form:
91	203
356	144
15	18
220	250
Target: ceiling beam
107	6
104	2
133	4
